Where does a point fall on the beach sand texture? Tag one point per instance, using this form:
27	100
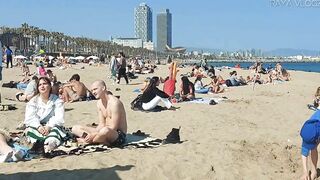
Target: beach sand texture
253	135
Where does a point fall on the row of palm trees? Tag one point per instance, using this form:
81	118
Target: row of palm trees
30	38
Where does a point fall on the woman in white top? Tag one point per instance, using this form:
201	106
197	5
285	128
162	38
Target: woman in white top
199	87
45	116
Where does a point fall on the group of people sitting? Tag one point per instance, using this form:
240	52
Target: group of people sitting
45	117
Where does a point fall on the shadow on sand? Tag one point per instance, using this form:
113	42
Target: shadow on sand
79	174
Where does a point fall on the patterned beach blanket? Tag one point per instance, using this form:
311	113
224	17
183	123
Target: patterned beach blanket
69	147
133	141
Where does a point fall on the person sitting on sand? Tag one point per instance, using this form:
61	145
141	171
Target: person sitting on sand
8	153
216	86
152	96
44	117
316	101
186	89
285	75
145	84
199	87
51	76
41	70
310	134
25	70
236	81
29	92
74	90
112	127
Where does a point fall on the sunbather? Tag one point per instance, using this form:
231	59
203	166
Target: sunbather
112	126
45	116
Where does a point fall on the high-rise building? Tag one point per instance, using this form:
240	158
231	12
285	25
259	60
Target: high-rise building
164	30
143	22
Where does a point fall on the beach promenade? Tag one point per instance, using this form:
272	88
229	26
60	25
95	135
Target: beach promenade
252	135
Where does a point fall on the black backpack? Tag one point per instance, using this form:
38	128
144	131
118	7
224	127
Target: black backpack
136	104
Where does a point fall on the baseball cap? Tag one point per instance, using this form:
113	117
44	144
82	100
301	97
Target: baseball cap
310	133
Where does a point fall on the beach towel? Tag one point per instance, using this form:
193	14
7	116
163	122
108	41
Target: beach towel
132	142
205	100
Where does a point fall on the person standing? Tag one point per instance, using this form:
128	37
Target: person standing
9	56
0	63
122	67
113	68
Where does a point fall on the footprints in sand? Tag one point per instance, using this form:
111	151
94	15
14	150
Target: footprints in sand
262	154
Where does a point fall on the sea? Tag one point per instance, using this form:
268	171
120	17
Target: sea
297	66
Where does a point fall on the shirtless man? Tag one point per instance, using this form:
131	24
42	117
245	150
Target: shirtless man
75	90
112	127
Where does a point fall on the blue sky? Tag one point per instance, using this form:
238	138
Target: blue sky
228	24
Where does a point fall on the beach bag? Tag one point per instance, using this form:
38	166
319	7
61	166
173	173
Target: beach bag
136	104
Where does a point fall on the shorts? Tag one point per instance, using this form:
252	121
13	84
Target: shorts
120	140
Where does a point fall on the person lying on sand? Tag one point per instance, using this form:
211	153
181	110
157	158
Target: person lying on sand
7	153
112	127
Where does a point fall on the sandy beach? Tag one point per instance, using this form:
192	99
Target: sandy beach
252	135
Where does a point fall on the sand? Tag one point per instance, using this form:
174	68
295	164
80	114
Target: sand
253	135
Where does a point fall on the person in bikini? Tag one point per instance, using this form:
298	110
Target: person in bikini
112	127
75	90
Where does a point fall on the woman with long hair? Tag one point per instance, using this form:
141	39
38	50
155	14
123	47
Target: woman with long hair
186	89
44	116
152	96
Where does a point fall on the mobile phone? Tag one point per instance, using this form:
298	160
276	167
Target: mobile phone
84	135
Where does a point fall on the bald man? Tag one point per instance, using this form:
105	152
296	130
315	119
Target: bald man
112	127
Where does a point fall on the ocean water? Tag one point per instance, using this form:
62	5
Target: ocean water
298	66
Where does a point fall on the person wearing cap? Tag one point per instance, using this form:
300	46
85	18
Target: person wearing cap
310	134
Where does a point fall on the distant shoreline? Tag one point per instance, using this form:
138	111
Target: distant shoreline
188	61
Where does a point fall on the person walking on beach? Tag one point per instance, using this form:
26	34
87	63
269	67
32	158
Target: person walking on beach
9	56
113	68
310	134
112	127
122	68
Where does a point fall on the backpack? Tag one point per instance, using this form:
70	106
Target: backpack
136	104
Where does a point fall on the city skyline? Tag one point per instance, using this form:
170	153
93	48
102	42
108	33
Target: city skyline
228	25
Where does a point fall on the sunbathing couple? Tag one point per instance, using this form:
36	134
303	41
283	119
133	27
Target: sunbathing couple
44	119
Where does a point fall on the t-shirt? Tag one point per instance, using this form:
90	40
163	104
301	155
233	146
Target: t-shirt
169	87
198	85
8	52
234	81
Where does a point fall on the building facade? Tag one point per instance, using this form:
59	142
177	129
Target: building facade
143	22
164	30
131	42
